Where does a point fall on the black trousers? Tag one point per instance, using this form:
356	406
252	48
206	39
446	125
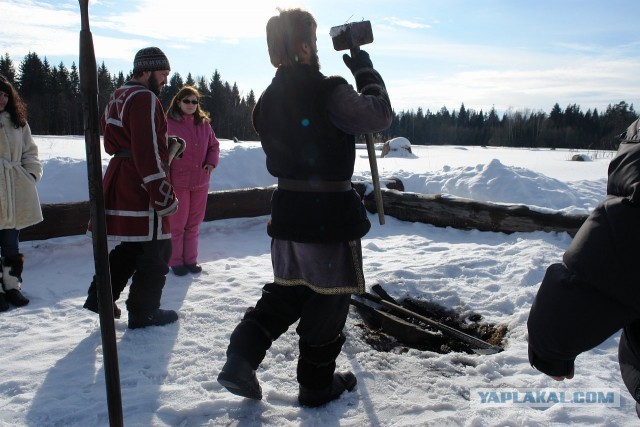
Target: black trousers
147	265
322	318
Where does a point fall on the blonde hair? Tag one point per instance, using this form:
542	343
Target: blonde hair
174	112
285	33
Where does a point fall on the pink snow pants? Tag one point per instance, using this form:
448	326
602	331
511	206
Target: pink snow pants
184	225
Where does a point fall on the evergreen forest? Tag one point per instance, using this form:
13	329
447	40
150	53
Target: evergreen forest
53	98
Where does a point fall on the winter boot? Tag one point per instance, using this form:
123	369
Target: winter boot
12	278
248	345
4	306
91	302
15	297
239	377
180	270
319	383
159	317
342	381
193	268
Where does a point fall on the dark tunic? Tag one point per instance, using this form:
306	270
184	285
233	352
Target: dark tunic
296	118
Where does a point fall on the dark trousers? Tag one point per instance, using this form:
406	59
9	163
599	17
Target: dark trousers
9	242
146	264
322	318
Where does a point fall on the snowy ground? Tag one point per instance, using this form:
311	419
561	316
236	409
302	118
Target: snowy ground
52	372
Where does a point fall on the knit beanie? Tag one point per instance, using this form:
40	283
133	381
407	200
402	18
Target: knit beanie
150	59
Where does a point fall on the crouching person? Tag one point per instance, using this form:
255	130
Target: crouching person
20	170
307	124
594	292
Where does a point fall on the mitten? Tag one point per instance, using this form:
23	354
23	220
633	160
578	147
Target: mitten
360	60
177	146
368	80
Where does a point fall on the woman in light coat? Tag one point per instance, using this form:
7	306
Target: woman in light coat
190	176
20	170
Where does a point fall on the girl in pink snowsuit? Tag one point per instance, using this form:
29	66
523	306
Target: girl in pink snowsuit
190	176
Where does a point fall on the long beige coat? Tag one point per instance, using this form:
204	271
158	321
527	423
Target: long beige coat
20	170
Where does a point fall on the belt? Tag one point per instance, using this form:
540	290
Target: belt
313	186
123	152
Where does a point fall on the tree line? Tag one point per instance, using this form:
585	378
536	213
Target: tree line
52	94
569	128
54	101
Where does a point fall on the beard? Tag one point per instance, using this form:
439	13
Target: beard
154	85
314	60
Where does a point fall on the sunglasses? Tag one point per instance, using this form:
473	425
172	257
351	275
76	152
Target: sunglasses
188	101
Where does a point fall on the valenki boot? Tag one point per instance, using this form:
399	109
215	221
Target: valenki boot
248	345
4	305
239	377
12	278
318	382
91	302
158	317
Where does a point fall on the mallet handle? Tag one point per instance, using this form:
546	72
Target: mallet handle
373	164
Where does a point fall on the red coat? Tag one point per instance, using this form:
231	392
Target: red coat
136	183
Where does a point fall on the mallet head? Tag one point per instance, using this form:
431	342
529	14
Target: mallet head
352	35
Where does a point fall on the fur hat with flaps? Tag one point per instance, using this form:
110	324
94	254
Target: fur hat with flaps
150	59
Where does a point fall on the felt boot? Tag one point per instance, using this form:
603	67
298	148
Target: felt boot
159	317
12	267
91	302
4	305
319	383
342	381
248	345
239	377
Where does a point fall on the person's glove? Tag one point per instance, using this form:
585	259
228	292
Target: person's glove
368	80
359	61
177	146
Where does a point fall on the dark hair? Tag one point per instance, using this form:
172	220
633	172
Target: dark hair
16	108
199	116
285	33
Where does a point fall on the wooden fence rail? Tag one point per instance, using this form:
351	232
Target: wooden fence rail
68	219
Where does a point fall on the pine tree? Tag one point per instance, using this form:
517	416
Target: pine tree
7	69
105	87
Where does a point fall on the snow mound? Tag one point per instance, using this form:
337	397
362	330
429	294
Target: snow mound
398	147
495	182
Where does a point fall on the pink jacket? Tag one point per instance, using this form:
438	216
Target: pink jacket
202	149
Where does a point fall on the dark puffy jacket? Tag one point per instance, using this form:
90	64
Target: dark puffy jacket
595	292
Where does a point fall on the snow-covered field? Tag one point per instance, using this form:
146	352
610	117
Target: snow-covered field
52	373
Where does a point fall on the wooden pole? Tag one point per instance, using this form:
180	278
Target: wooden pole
373	164
89	89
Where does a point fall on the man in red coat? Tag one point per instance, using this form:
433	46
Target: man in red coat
138	193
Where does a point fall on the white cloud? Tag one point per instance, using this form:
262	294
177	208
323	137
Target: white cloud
420	68
406	23
194	20
589	82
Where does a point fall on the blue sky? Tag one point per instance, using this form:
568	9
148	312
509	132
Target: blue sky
507	54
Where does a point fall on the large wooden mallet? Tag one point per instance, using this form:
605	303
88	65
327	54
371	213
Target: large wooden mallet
351	36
